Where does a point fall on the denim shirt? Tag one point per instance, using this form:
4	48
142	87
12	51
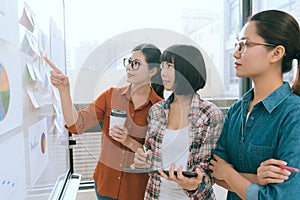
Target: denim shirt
271	131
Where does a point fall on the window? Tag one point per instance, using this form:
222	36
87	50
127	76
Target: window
102	36
290	6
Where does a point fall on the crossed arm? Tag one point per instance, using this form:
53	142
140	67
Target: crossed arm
226	176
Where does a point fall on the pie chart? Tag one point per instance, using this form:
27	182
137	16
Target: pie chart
4	92
43	143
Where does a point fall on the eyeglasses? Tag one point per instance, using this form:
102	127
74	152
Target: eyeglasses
135	65
241	45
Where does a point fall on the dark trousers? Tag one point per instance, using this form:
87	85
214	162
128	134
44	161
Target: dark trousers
102	197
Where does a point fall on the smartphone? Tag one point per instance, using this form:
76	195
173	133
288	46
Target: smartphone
184	173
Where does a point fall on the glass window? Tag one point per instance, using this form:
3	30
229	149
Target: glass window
100	33
290	6
95	39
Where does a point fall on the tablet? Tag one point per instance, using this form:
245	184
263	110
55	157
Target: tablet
185	173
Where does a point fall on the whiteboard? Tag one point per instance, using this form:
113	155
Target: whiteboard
34	150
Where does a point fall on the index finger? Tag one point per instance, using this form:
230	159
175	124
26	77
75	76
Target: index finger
122	128
51	64
216	157
179	172
163	174
273	161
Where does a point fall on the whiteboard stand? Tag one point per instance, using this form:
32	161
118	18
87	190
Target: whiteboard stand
66	188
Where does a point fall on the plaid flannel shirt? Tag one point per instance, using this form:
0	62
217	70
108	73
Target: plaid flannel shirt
206	122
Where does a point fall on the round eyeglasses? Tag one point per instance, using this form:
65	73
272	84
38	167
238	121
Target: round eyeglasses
241	45
135	65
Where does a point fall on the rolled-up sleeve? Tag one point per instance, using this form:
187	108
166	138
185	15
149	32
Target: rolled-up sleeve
252	191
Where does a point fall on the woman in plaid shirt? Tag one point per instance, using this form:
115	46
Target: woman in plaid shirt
182	130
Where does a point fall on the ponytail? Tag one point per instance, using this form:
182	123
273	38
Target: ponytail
296	84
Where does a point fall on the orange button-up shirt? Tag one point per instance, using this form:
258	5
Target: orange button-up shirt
108	175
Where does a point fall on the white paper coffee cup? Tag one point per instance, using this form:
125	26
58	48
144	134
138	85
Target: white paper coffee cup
117	117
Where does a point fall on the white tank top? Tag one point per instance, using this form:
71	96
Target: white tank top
175	149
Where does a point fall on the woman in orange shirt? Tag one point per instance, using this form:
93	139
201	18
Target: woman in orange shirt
120	142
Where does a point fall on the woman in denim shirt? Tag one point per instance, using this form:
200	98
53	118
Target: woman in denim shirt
261	130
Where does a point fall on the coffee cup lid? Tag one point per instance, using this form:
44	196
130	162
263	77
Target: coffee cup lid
118	113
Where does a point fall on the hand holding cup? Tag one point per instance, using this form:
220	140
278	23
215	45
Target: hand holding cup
117	130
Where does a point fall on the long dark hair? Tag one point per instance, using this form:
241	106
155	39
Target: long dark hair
152	56
280	28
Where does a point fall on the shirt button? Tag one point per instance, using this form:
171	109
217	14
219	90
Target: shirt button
132	114
120	165
252	118
119	177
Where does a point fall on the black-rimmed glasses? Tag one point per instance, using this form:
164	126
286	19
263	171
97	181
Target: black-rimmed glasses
135	65
241	45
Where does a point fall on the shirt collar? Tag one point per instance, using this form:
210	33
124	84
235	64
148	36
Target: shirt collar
274	99
126	91
168	101
153	97
195	108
